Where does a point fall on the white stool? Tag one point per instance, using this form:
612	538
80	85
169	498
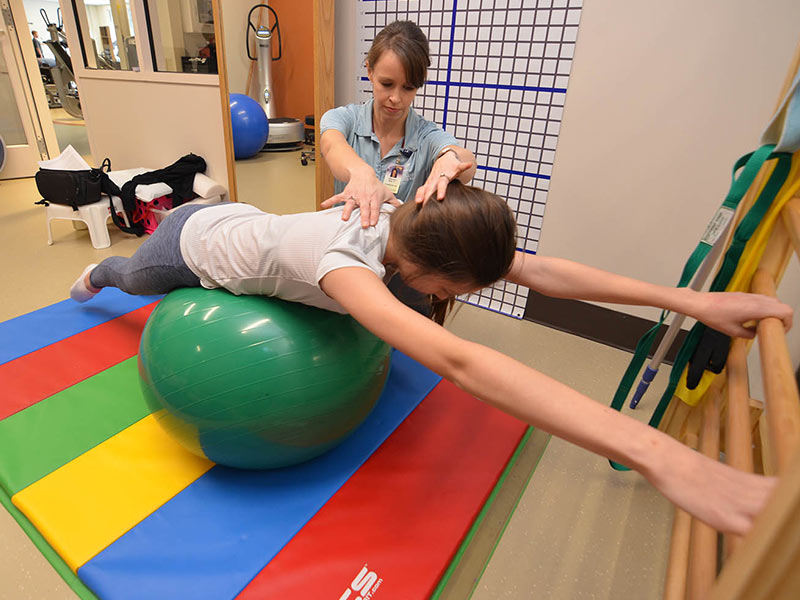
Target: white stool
94	215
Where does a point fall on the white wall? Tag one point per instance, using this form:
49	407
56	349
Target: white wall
663	98
152	124
346	65
234	22
100	16
147	119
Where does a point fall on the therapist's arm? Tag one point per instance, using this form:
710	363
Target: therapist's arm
452	162
362	186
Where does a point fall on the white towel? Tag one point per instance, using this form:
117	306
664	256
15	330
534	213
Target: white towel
68	160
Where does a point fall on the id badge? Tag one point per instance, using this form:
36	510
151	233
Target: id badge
393	177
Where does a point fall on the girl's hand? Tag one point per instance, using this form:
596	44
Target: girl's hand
732	312
725	498
363	191
446	168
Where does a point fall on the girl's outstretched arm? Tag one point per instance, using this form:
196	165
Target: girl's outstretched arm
727	312
723	497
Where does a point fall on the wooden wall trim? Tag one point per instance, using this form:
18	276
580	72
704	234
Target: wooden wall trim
227	128
324	87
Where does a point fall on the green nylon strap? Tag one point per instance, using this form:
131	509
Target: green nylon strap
752	164
739	185
751	221
743	233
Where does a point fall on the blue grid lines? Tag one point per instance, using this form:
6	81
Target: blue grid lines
497	82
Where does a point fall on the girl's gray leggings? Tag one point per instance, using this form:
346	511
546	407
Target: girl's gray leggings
157	267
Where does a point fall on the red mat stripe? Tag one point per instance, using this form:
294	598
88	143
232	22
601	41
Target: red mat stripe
33	377
399	520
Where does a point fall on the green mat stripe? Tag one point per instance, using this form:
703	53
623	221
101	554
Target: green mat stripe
46	549
482	515
505	525
67	424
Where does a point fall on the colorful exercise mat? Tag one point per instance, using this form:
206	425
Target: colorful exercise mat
107	495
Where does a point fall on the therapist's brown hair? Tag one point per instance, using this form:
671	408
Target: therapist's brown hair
407	41
469	237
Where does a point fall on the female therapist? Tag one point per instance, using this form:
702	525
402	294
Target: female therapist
383	151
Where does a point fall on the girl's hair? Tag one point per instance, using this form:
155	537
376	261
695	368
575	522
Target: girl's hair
469	237
405	39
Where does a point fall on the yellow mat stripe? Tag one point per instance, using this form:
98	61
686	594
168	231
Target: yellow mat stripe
88	503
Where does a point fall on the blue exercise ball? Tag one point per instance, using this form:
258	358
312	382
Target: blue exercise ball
250	126
255	382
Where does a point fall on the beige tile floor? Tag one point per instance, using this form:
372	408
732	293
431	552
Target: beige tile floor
580	531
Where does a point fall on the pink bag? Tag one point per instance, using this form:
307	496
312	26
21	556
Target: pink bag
145	214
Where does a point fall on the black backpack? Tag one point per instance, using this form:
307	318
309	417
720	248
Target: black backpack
78	188
73	188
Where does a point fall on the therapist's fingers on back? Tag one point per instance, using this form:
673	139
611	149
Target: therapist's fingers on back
374	214
348	209
368	209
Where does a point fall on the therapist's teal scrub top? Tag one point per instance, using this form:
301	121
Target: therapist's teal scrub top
416	152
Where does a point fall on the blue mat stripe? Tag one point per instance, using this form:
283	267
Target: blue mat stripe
33	331
210	540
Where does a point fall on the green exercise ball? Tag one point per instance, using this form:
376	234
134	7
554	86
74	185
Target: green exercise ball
255	382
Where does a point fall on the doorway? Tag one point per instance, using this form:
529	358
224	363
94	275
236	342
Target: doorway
25	127
280	178
54	56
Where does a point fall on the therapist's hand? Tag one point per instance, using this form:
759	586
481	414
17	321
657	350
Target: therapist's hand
366	192
446	168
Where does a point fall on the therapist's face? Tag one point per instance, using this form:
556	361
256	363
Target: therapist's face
393	95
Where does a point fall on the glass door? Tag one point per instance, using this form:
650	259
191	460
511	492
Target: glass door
25	140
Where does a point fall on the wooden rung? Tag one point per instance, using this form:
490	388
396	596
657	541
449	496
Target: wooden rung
738	427
703	545
790	216
766	566
780	386
777	252
756	416
769	463
678	561
756	410
676	419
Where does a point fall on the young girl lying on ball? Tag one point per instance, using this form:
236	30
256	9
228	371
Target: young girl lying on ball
444	249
